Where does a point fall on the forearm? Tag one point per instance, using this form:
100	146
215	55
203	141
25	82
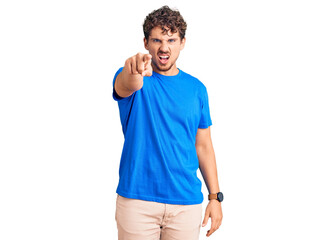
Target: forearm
126	81
131	77
208	167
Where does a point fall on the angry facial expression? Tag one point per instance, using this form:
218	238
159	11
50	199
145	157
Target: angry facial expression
165	48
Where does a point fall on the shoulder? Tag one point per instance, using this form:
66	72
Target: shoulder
193	81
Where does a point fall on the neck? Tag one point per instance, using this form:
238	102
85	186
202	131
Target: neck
170	72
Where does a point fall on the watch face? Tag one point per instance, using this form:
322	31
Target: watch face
220	196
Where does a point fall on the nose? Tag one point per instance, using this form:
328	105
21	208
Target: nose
164	47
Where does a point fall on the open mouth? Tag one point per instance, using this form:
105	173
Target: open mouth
163	59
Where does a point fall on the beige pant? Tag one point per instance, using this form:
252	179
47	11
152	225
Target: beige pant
145	220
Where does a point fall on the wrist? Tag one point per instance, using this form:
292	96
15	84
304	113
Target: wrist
216	196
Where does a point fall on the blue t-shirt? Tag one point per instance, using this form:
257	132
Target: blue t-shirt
159	161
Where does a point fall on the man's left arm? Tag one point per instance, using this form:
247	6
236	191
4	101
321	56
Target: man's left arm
208	168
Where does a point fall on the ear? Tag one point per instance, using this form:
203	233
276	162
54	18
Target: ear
145	43
182	43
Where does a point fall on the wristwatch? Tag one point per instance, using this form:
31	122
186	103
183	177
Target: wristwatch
218	196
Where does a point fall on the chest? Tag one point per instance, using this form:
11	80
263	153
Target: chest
175	102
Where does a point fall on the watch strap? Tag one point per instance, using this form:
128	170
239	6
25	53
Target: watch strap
212	196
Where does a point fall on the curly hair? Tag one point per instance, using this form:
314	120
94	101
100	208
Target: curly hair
167	19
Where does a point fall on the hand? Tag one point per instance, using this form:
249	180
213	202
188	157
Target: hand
140	64
214	211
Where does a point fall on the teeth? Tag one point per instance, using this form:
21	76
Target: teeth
163	56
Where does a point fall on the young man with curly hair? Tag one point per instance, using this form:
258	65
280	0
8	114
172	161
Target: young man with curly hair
165	119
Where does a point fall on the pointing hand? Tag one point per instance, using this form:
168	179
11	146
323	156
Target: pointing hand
140	64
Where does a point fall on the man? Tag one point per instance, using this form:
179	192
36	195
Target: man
166	121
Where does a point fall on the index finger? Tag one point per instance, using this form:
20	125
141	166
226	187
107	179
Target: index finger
147	57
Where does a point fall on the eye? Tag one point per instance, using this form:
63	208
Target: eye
171	40
156	40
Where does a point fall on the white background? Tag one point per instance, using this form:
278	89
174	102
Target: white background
269	67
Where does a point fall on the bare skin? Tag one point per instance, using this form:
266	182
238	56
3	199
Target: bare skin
165	49
131	77
207	165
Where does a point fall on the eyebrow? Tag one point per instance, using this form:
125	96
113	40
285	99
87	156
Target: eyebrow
154	38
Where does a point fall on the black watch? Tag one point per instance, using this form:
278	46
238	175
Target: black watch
218	196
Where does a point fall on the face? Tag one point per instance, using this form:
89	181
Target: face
165	49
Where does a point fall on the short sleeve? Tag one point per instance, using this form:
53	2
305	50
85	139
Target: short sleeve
124	104
114	93
205	120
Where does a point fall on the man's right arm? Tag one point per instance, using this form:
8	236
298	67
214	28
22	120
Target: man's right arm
131	77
